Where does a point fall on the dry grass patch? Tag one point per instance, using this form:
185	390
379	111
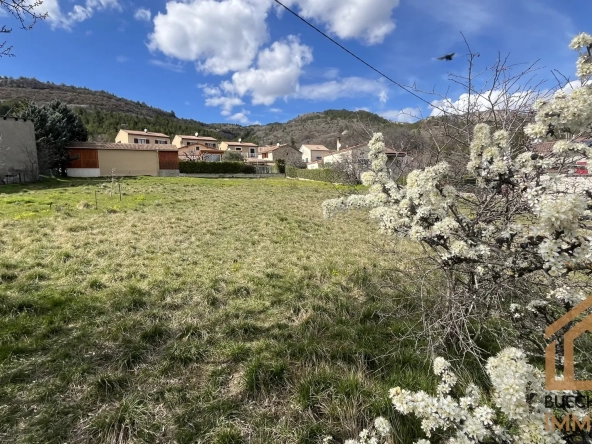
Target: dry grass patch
217	311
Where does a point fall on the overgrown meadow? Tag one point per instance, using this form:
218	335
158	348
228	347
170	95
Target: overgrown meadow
196	311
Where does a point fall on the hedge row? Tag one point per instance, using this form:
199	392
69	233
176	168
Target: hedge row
321	174
216	168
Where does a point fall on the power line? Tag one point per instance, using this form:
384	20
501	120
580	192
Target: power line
352	54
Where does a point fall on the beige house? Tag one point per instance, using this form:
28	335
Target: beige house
312	153
355	159
247	149
282	152
131	136
18	150
210	142
92	159
200	152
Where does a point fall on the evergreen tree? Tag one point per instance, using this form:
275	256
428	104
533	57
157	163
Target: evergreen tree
56	125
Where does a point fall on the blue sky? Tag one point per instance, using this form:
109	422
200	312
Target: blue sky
246	61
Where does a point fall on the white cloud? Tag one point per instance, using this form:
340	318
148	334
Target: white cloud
275	110
222	36
243	117
143	14
347	87
122	59
226	103
363	108
488	100
175	67
369	20
79	13
406	115
277	73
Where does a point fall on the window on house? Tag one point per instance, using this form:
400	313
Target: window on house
264	155
188	143
252	152
135	140
160	142
319	157
238	148
140	140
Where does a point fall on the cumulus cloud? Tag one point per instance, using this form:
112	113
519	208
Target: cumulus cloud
79	13
488	100
277	73
225	103
221	36
143	15
405	115
122	59
368	20
242	117
348	87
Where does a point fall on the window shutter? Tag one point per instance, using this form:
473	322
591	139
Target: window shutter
135	140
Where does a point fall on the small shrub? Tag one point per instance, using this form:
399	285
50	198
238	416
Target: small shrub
83	205
215	168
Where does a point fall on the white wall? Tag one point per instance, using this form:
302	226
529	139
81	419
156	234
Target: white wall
18	149
83	172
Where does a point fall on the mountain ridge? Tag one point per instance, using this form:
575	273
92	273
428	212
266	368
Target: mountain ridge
105	113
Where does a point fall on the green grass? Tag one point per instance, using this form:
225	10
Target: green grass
194	310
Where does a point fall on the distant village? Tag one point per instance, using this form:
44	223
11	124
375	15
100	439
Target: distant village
146	153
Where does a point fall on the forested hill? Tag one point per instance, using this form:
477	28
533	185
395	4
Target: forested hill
104	114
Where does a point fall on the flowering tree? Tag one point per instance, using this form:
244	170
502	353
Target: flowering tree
519	236
514	412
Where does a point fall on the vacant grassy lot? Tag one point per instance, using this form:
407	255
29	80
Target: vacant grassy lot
214	311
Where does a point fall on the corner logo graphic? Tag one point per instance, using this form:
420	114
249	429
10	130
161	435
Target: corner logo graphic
569	380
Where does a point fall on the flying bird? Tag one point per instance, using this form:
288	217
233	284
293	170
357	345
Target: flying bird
447	57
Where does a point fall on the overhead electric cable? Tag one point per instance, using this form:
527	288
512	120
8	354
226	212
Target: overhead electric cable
354	55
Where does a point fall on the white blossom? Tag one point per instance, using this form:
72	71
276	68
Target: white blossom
471	418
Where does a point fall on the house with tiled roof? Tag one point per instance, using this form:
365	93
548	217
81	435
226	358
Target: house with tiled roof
182	140
96	159
577	164
247	149
355	158
312	153
133	136
201	152
285	152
